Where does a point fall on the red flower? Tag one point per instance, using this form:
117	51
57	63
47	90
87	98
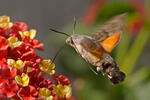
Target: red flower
27	55
64	80
2	97
91	15
27	93
139	7
6	73
61	80
135	27
9	89
3	61
57	98
19	26
33	43
36	44
2	33
141	15
3	47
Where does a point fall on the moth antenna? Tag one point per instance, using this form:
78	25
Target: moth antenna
74	25
58	53
59	32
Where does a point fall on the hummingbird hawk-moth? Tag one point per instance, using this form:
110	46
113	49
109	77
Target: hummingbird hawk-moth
96	49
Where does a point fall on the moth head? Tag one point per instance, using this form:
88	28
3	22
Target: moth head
69	41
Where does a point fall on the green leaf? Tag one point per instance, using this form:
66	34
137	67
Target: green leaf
135	51
122	48
139	76
112	9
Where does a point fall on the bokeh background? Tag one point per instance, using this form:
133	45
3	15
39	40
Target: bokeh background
132	54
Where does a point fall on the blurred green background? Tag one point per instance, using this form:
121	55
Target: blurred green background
132	54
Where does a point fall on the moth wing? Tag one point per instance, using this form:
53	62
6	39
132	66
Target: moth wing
113	26
91	46
109	43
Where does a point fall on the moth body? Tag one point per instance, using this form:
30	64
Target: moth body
93	53
95	49
85	45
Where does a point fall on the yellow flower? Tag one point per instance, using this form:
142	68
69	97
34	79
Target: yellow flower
29	69
14	42
12	99
19	64
47	66
5	22
62	91
45	94
31	33
22	80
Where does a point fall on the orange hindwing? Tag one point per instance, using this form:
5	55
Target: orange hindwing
109	43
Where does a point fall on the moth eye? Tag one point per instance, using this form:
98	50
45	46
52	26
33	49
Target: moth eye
70	42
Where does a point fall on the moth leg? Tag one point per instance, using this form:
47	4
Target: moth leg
88	65
98	69
92	69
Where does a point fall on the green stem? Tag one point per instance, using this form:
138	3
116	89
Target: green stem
139	76
135	51
123	48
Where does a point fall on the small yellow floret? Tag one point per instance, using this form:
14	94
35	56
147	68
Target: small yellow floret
47	66
62	91
5	22
31	33
14	42
29	69
19	64
11	62
45	94
22	80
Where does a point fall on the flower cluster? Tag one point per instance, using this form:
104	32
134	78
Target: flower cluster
22	70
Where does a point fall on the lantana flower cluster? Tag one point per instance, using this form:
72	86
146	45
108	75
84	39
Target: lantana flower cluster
22	71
